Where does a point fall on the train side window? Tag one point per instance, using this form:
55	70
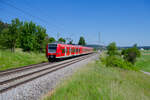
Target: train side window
63	50
60	48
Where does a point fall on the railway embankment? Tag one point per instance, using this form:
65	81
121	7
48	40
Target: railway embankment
9	60
36	88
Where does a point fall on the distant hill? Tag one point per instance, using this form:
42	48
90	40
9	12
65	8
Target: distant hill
96	46
139	47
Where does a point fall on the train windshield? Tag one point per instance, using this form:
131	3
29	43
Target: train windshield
52	48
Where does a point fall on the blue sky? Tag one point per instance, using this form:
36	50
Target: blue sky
125	22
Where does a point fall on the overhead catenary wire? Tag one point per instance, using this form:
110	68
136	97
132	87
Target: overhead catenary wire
29	14
33	16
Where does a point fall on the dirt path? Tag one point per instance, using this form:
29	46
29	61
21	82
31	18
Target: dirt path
148	73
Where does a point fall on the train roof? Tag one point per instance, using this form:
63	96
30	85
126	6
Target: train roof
70	45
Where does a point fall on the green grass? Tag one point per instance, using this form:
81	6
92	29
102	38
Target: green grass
143	63
97	82
10	60
145	52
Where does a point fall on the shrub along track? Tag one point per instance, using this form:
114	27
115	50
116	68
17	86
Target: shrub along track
12	78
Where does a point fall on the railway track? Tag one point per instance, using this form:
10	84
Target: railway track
14	70
15	77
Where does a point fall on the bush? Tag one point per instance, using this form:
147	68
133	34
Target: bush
112	49
131	54
115	61
113	58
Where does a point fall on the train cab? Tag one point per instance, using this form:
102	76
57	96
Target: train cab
51	51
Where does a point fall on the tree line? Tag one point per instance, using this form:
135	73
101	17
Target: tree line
27	35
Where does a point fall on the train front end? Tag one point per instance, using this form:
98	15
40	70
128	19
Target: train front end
51	51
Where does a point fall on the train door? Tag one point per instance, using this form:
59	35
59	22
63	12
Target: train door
65	51
75	51
70	50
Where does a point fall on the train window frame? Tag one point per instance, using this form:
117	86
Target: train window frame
52	48
63	50
72	50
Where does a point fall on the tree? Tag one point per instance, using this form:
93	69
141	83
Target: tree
3	26
70	42
61	40
51	40
46	41
28	33
40	38
33	37
81	41
131	54
4	41
11	35
112	49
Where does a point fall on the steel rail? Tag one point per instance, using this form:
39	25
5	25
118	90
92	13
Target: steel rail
13	70
54	68
28	74
19	69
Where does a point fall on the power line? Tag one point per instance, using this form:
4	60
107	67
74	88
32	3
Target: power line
30	15
27	13
52	18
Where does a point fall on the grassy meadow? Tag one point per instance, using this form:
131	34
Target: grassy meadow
19	58
143	63
97	82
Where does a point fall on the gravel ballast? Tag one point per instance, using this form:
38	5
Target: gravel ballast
35	89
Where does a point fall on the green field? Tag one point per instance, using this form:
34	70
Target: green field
10	60
143	63
96	82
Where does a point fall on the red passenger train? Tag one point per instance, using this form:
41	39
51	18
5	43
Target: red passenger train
56	50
